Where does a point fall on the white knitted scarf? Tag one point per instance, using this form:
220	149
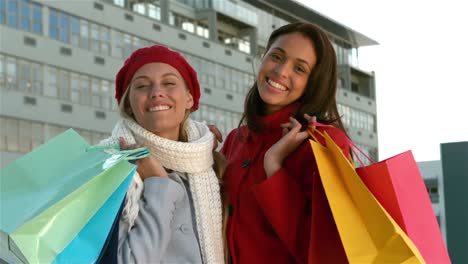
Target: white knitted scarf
193	157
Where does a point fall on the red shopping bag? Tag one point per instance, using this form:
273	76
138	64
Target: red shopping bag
398	185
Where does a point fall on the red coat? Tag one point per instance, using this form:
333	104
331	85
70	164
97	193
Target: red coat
271	219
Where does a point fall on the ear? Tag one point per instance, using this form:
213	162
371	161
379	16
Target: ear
189	102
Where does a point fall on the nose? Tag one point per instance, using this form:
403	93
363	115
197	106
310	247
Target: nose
283	70
156	91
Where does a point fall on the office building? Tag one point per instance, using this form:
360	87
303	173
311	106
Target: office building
58	60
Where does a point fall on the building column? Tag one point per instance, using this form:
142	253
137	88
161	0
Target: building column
210	16
165	9
252	34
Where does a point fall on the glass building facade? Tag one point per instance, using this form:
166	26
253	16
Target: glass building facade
47	45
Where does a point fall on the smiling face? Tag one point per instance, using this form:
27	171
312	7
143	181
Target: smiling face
159	99
284	71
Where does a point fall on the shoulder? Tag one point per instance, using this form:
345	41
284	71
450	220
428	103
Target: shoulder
233	139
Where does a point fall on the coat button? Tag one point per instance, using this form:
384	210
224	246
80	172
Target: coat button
246	163
185	229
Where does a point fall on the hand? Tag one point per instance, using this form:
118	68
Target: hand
147	167
311	120
217	134
292	138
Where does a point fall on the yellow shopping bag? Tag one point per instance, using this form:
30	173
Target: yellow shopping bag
367	231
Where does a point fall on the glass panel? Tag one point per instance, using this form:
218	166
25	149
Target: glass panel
75	88
2	11
51	88
25	136
84	87
84	33
64	28
53	24
37	134
24	76
95	89
105	102
11	73
75	31
12	13
25	18
3	132
94	37
117	50
12	134
37	20
64	85
37	78
2	71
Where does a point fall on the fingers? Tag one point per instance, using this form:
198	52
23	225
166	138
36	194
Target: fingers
311	120
216	133
124	146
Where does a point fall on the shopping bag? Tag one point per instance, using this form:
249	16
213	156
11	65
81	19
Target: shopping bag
87	245
399	187
50	194
368	233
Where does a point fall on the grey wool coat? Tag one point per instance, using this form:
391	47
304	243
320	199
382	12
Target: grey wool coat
165	230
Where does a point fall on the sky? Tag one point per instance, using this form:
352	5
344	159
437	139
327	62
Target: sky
421	68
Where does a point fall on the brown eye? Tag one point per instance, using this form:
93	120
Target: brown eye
275	57
300	69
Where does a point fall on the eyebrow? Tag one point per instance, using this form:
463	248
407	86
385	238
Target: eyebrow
299	59
164	75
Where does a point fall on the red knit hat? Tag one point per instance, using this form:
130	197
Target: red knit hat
161	54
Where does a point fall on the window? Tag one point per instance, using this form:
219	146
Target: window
22	14
37	135
118	47
12	133
75	31
25	17
2	11
2	71
36	18
25	137
75	93
36	78
52	78
100	93
12	14
3	133
24	76
64	28
53	24
94	29
64	85
11	73
53	130
84	34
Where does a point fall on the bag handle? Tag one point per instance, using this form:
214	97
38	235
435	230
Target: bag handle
129	154
354	148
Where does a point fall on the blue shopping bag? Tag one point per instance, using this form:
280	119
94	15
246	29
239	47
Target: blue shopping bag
62	189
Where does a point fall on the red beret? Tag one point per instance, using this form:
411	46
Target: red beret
161	54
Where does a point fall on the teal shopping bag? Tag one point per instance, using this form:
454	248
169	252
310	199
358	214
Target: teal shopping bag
87	245
49	195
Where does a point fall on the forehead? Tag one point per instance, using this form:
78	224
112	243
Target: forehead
156	69
296	45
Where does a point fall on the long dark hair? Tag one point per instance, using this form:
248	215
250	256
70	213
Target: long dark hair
319	96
